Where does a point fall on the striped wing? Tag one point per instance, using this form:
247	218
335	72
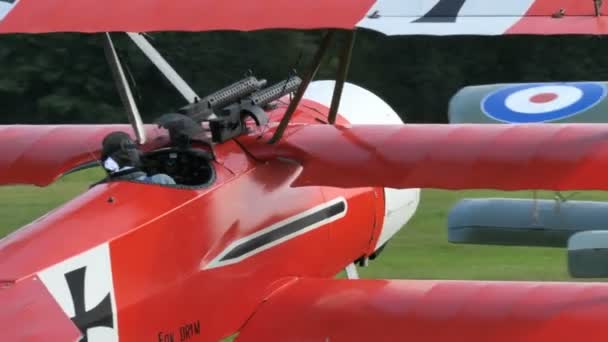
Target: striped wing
485	17
433	17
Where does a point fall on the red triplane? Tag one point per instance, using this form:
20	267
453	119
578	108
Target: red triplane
277	193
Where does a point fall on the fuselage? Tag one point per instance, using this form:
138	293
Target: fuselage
139	262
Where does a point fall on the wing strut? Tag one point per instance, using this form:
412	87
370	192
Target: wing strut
302	89
342	74
123	88
165	68
351	271
345	59
598	7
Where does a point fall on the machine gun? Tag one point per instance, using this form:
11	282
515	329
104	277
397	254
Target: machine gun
226	108
204	108
265	96
229	123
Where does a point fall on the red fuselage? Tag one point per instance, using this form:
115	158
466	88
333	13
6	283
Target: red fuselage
191	262
251	252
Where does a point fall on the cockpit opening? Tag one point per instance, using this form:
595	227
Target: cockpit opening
186	162
188	167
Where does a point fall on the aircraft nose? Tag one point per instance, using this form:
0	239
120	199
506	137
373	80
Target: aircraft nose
28	312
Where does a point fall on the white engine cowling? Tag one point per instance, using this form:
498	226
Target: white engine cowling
360	106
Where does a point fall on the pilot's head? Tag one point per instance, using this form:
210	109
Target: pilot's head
118	152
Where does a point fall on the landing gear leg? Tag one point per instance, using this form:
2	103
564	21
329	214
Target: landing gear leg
351	271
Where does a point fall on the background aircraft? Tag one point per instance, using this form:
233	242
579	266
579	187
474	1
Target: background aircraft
253	242
557	102
562	222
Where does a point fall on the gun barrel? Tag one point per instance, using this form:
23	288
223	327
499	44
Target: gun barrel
233	92
274	92
223	97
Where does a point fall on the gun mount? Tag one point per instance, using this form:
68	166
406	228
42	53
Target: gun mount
225	110
229	122
254	104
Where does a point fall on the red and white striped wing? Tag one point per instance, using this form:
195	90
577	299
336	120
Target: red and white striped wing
467	156
432	17
485	17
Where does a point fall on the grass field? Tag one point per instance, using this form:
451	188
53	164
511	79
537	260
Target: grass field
419	251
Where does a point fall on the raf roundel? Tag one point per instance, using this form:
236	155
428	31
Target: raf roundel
542	102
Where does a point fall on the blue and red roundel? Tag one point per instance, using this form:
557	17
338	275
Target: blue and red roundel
542	102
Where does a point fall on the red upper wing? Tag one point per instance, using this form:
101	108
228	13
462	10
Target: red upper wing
470	156
35	16
414	310
433	17
38	155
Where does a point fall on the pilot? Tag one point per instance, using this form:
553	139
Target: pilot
120	157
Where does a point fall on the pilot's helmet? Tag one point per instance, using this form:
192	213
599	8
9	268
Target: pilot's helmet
119	151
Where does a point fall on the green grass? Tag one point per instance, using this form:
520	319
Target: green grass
20	205
421	249
418	251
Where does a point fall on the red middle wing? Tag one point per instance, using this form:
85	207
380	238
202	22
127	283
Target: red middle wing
39	154
414	310
506	157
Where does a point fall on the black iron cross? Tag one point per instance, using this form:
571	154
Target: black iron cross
99	316
445	11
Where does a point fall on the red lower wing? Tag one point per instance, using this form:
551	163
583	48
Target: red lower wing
413	310
505	157
39	154
39	318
